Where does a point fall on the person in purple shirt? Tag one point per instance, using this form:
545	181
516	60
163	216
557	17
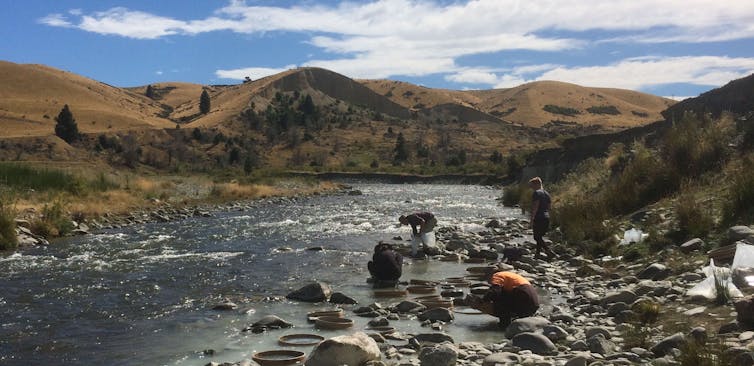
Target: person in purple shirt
540	216
421	223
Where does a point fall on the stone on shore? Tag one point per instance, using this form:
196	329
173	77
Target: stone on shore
655	271
441	314
501	358
353	349
268	322
443	354
528	324
692	245
664	346
430	338
341	298
740	232
534	342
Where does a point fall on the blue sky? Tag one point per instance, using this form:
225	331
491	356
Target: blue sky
672	48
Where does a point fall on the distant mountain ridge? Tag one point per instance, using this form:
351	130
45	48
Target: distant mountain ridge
31	92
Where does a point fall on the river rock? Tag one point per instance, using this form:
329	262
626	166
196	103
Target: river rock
426	338
626	296
579	360
314	292
593	331
528	324
441	314
664	346
554	332
740	232
409	307
443	354
655	271
501	358
598	344
534	342
692	245
268	322
354	349
341	298
225	305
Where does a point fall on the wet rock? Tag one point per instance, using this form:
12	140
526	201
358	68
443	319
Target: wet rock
315	249
409	306
341	298
268	322
443	354
314	292
225	305
379	322
534	342
432	338
354	349
441	314
494	223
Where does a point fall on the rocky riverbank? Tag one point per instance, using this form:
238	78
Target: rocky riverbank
605	312
164	211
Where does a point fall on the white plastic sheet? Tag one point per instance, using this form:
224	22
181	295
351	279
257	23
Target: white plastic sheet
633	236
707	289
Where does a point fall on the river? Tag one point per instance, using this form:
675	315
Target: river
142	295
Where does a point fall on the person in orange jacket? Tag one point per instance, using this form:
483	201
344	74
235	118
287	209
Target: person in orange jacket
510	296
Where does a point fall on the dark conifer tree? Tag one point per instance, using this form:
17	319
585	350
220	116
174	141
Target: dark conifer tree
66	127
204	102
149	92
401	150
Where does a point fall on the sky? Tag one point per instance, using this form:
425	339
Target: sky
673	48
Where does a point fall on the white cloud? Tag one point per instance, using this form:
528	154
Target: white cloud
637	73
252	72
55	20
158	72
384	38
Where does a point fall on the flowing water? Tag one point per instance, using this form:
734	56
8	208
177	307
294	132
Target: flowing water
143	295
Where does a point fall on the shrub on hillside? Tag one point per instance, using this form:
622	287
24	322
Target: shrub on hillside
739	200
603	109
8	239
694	220
694	146
566	111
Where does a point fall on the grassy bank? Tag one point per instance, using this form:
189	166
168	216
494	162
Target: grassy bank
50	198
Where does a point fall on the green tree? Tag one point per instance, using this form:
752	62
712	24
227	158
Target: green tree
204	102
66	127
401	150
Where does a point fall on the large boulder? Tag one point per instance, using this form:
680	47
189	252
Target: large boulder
740	232
443	354
313	292
354	349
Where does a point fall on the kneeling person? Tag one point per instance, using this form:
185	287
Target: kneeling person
386	265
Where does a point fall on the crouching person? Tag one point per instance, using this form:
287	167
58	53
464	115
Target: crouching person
386	266
510	296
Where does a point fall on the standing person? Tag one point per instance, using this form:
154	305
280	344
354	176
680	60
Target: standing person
510	296
421	223
540	216
386	265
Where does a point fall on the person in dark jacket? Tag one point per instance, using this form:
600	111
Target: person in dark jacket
510	296
540	216
386	265
421	223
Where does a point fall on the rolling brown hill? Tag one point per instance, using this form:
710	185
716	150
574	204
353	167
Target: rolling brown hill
354	124
525	104
31	96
